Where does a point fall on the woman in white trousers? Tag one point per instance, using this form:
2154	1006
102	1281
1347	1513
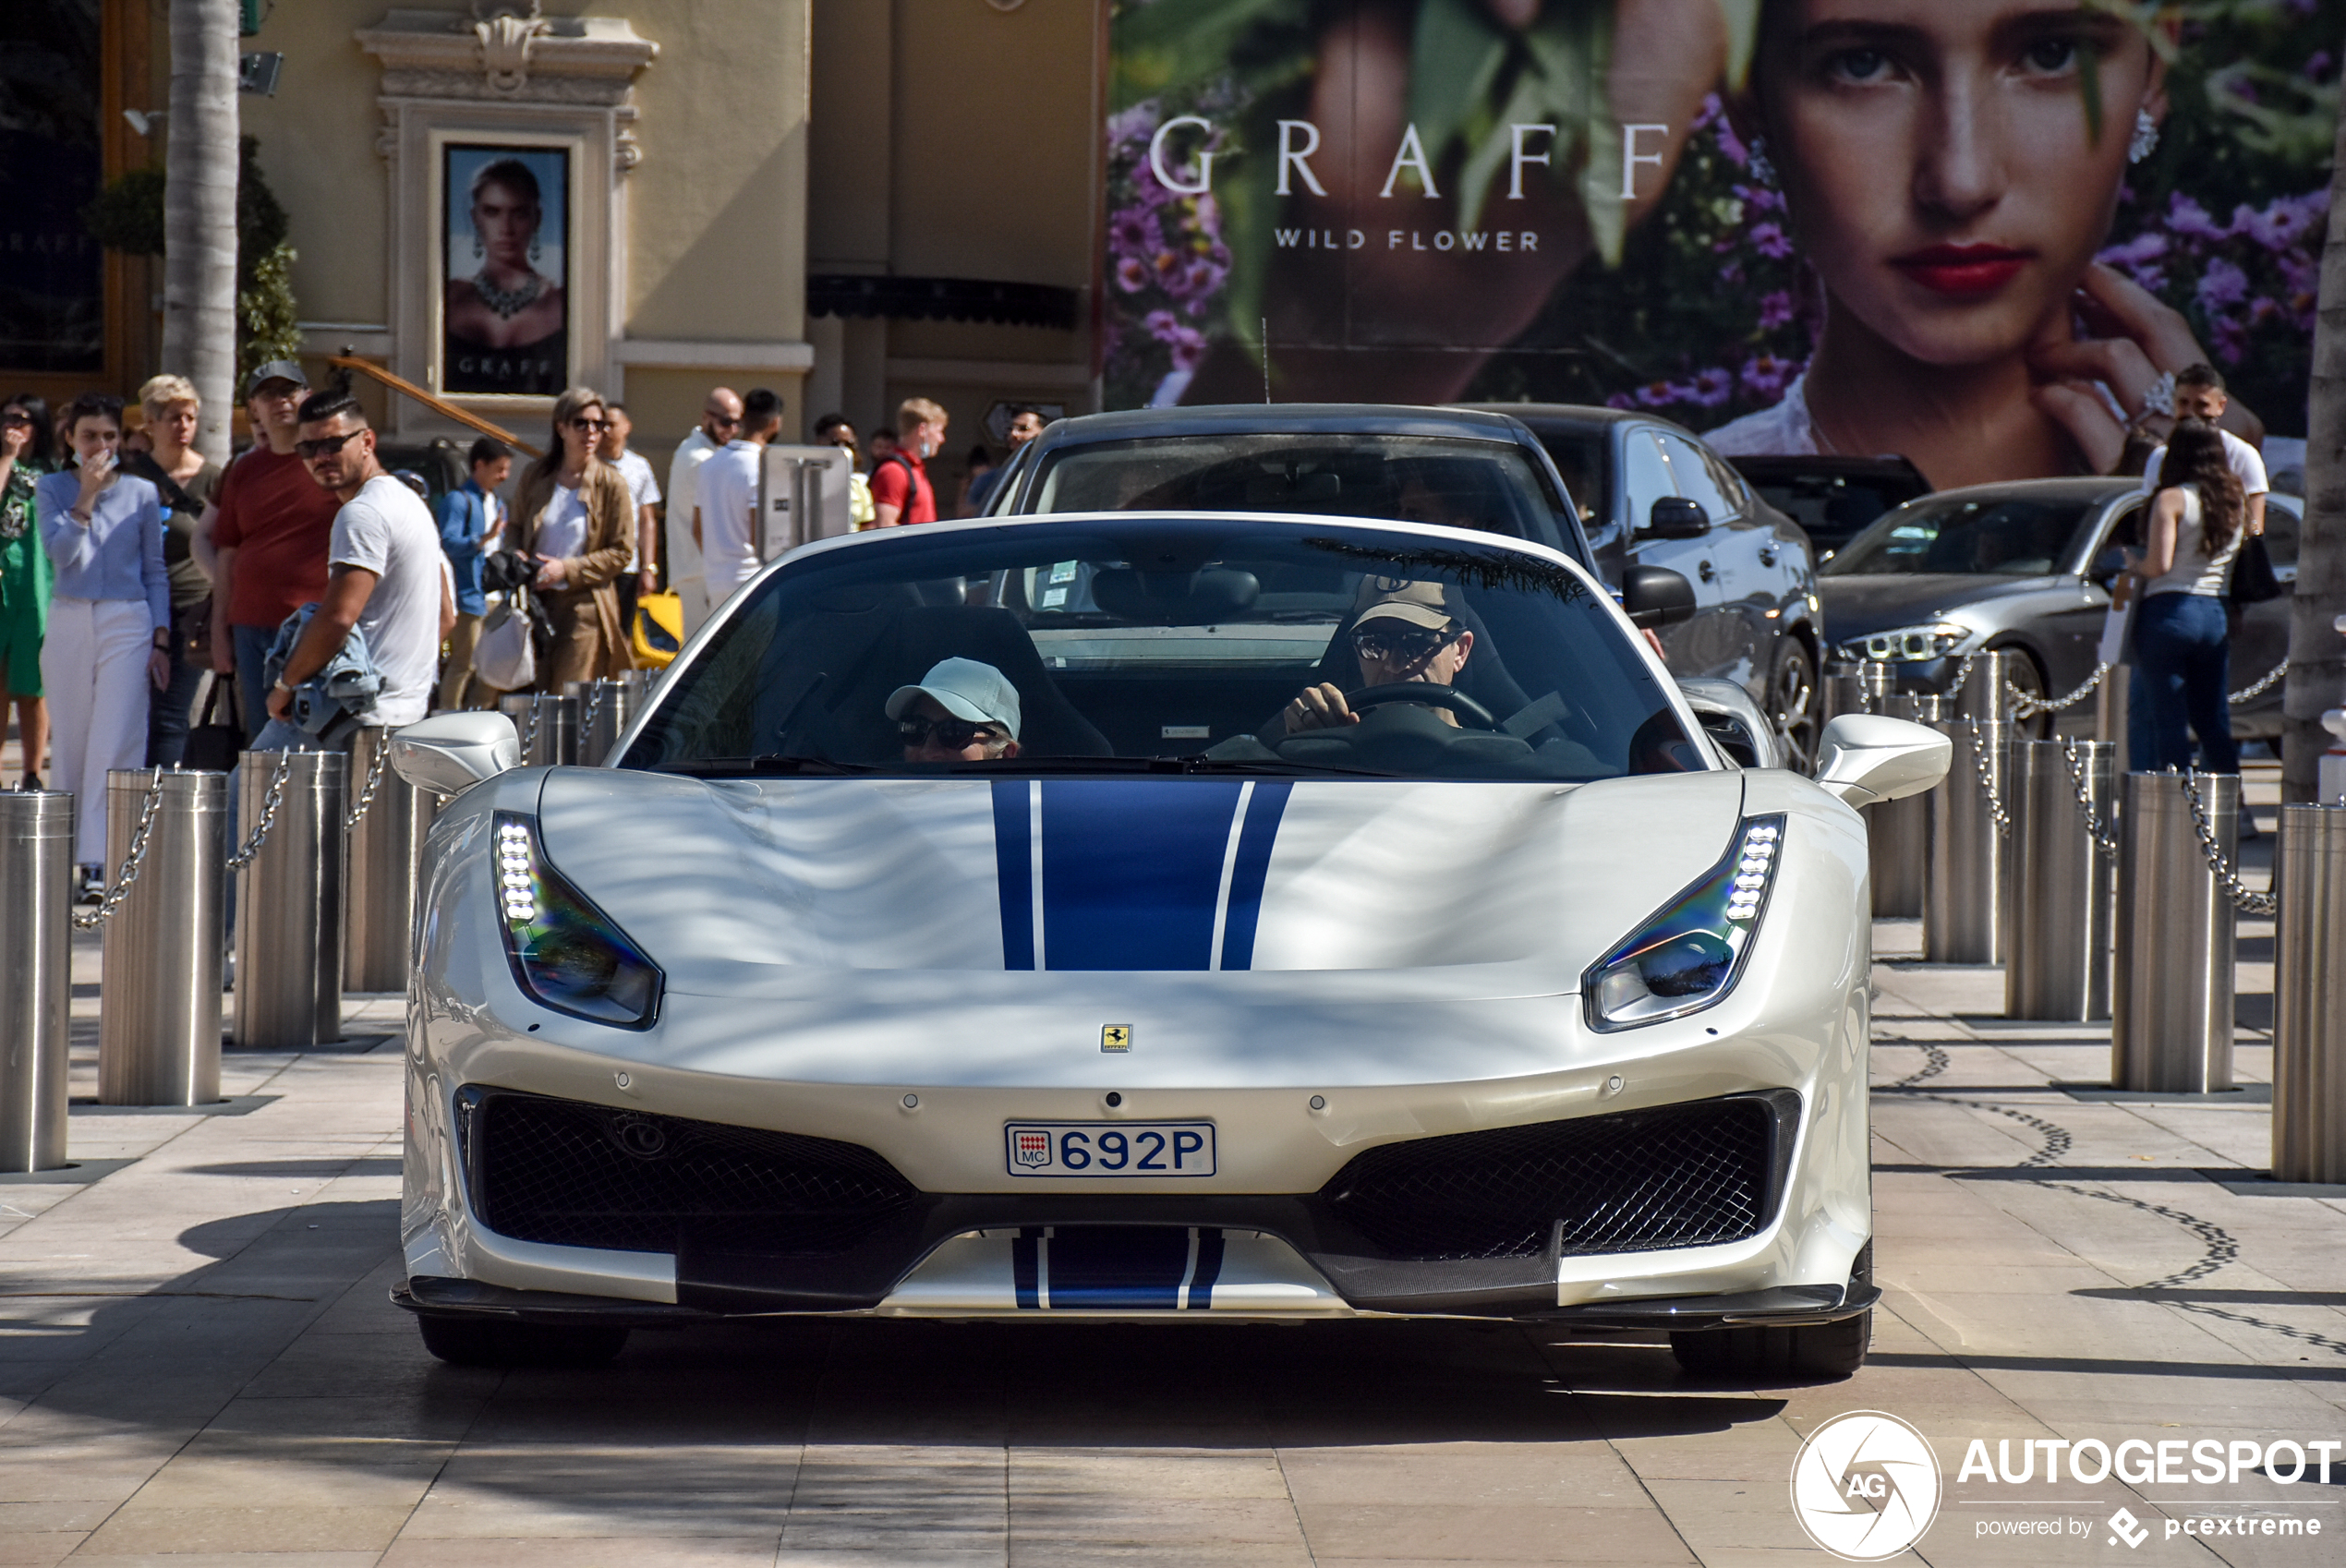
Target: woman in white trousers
109	620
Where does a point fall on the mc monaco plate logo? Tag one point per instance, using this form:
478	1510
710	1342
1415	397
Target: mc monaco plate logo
1865	1485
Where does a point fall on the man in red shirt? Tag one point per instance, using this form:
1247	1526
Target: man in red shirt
269	524
901	491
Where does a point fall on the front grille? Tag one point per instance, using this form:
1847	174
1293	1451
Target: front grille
1679	1175
578	1175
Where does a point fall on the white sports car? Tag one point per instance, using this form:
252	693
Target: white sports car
1132	914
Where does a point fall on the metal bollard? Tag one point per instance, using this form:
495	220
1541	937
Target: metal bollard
548	727
159	991
2309	997
386	833
2110	714
1970	845
36	976
1899	831
605	708
1982	693
2064	874
2170	1029
289	902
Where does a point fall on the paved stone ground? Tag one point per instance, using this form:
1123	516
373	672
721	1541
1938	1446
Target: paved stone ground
197	1364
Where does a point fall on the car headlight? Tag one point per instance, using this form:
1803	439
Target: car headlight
1688	955
565	952
1905	645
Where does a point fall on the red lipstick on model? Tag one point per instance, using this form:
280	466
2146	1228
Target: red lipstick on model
1963	268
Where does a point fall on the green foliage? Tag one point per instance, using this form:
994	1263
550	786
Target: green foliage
126	216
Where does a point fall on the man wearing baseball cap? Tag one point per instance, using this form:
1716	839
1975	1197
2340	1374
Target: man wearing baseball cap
269	524
1404	633
962	711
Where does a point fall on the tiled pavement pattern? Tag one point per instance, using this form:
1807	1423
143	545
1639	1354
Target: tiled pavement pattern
198	1365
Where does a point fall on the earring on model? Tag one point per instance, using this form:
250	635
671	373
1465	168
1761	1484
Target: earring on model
477	251
1761	170
533	249
2145	136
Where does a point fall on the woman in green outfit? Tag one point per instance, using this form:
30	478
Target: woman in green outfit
25	574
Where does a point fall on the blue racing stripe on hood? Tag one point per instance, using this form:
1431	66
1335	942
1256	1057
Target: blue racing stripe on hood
1014	870
1265	803
1131	871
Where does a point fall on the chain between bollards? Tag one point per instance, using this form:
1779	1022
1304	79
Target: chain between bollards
529	735
269	805
2024	705
131	861
1986	779
374	779
2258	690
2227	876
2103	831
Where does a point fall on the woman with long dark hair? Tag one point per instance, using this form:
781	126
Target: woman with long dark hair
25	574
2181	642
574	516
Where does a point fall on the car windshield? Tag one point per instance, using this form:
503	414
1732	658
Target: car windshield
1175	644
1580	457
1485	485
1832	507
2000	535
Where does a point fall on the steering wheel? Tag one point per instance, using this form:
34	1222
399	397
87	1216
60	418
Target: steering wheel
1426	693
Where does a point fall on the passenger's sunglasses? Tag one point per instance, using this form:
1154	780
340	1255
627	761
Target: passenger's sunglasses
951	733
323	446
1395	645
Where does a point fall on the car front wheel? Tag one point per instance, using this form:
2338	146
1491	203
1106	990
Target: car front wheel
1791	704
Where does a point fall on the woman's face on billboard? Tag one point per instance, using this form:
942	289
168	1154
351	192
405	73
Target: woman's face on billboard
506	220
1940	163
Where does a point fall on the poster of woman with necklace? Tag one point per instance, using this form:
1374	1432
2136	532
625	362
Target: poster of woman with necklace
505	317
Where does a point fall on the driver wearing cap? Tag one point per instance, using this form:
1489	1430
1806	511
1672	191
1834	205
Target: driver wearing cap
962	711
1403	633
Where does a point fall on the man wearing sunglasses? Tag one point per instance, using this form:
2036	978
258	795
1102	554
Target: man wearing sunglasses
720	421
383	580
962	711
1403	633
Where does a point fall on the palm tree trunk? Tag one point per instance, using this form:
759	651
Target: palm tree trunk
200	214
2316	652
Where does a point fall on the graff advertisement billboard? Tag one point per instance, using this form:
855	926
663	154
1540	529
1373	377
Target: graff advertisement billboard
1976	233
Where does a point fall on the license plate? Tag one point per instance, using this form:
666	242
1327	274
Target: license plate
1110	1149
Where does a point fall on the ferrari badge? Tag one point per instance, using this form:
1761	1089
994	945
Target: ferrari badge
1116	1037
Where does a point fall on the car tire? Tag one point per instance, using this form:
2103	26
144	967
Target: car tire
1809	1352
1792	703
489	1342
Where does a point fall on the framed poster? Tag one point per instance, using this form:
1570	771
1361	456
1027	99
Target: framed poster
505	318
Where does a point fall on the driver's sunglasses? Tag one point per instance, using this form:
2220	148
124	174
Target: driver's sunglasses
951	733
323	446
1411	646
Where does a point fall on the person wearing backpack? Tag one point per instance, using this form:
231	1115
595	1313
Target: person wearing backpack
900	489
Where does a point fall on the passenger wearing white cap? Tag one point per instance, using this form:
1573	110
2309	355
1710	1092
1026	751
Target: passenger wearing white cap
962	711
1404	633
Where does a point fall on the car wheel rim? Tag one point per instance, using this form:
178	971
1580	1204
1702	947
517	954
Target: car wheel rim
1795	710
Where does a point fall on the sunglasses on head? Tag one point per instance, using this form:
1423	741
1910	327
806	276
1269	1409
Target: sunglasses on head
951	733
323	446
1401	644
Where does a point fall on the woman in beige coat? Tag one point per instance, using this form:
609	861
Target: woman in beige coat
574	515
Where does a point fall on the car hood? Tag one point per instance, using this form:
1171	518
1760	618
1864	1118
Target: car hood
1353	889
1858	607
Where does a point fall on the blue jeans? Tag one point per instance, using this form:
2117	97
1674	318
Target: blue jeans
167	709
2182	649
252	685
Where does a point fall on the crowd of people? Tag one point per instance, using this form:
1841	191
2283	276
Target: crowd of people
319	590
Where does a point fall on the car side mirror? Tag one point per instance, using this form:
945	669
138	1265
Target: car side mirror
1655	596
1675	517
1866	757
450	751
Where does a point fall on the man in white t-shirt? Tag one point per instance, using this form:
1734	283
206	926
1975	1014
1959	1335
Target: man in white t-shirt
382	578
720	418
724	514
644	490
2199	394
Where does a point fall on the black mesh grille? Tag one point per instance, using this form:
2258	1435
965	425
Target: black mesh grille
1681	1176
587	1175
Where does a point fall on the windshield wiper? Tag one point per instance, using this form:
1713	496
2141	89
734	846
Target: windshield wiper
770	762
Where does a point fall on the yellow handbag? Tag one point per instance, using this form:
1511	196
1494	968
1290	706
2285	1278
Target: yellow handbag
658	635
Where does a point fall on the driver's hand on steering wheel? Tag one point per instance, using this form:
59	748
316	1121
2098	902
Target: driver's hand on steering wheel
1318	708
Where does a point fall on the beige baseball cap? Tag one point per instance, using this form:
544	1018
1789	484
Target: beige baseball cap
1401	598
